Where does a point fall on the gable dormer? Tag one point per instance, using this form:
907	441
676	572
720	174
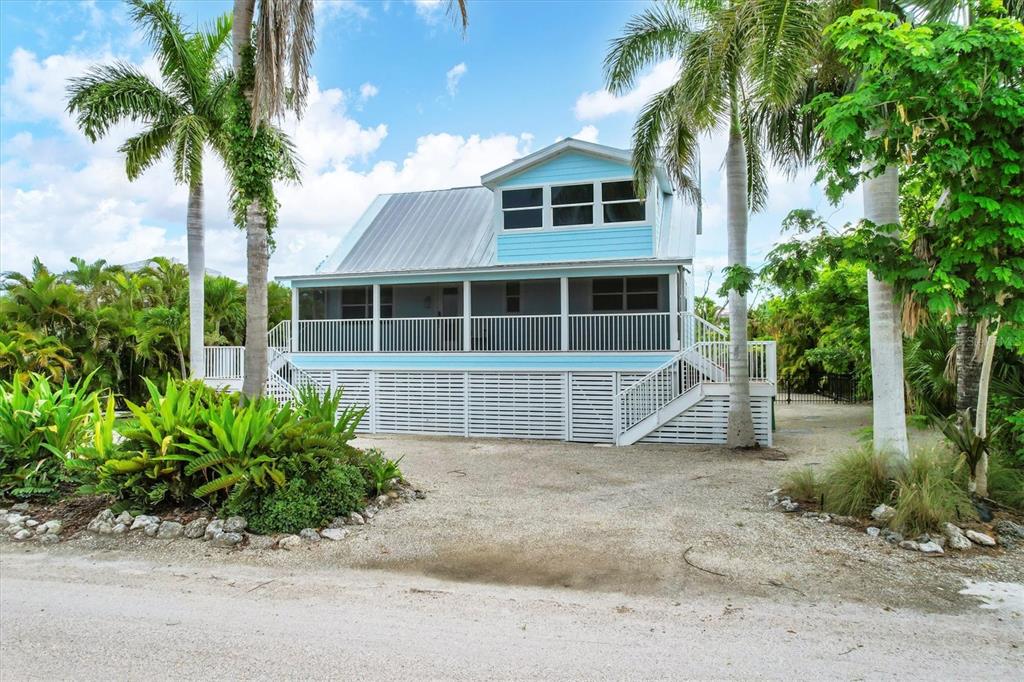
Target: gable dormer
575	201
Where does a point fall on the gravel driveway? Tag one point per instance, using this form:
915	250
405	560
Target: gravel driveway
658	520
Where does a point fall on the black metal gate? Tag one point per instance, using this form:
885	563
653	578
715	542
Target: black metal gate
819	388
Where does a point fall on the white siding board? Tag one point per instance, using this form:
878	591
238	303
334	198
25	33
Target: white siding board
517	405
592	410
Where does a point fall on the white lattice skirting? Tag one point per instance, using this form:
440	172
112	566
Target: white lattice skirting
577	406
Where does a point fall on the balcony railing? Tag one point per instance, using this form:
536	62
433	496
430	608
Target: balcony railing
225	362
517	333
613	332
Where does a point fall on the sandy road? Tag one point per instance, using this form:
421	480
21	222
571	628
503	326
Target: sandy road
68	616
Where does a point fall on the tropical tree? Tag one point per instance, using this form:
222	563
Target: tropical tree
739	61
271	58
183	116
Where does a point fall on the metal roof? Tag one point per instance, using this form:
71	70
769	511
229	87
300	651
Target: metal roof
449	228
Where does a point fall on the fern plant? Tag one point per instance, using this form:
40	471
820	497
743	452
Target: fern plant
381	472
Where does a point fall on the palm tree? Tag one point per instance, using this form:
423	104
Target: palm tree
225	303
182	118
737	60
272	60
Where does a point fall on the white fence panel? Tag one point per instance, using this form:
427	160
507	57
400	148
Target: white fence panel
225	362
335	336
620	332
508	405
516	333
421	402
592	407
421	334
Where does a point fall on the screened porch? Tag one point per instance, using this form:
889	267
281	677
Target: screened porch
629	313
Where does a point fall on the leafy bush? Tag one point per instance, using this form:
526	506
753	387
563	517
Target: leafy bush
857	482
931	491
802	484
41	427
326	408
380	471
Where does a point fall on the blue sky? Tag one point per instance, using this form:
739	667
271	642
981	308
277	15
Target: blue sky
401	102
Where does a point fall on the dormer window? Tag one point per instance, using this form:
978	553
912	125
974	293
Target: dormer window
523	208
572	205
619	202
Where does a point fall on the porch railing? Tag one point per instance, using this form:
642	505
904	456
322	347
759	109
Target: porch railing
421	334
225	362
620	332
339	335
522	333
761	359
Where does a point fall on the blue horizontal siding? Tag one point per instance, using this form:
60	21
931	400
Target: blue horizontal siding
483	361
573	245
568	168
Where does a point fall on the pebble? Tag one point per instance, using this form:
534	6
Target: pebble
290	542
382	500
119	529
125	518
235	524
356	518
169	530
31	523
48	539
873	531
956	538
23	534
892	536
196	528
20	507
152	529
212	528
883	513
420	495
143	521
930	548
223	539
105	528
334	533
980	538
845	521
1008	527
309	535
54	526
259	542
789	505
911	545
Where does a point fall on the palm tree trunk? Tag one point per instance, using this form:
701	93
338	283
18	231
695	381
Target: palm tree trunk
881	206
257	258
968	368
196	275
741	421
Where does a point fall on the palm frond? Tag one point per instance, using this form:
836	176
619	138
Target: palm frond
180	64
143	150
190	135
656	34
781	39
757	180
285	40
109	94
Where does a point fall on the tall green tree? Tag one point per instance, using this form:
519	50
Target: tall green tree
183	116
739	61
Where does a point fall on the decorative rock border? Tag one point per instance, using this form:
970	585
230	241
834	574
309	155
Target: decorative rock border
227	533
1007	533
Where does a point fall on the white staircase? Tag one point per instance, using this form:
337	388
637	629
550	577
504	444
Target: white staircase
682	382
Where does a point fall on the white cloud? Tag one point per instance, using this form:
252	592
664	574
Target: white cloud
333	9
601	103
453	76
368	91
587	133
61	196
429	10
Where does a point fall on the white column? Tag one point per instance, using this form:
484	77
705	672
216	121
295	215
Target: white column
673	309
564	281
376	318
467	314
295	319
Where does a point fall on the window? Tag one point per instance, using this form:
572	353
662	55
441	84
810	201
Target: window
522	208
572	205
512	298
312	304
625	294
356	303
620	204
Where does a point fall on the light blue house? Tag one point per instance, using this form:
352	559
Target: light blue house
548	302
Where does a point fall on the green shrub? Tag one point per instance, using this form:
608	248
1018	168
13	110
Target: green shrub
312	405
1005	482
857	482
802	484
931	491
41	427
380	471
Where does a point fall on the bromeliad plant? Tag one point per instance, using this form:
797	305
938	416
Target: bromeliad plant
40	429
